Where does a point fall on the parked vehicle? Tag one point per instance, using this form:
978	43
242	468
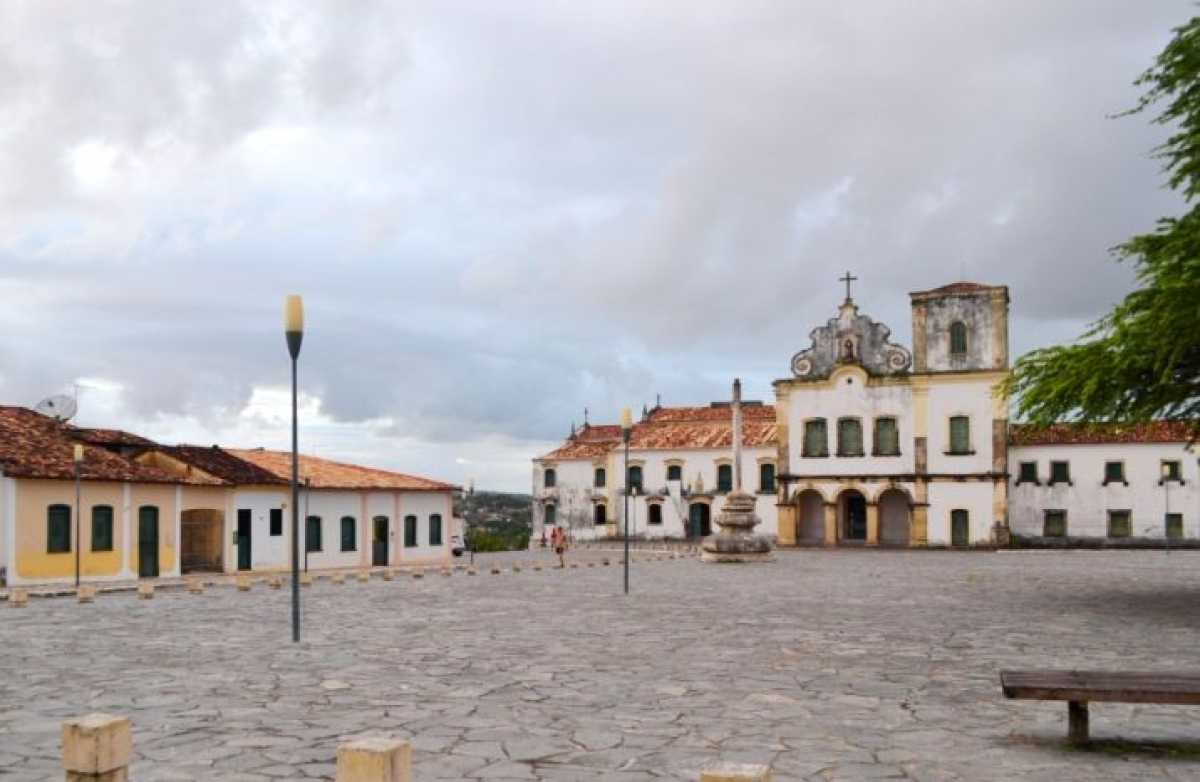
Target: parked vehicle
456	545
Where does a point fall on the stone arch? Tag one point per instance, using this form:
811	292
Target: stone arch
852	515
895	517
810	517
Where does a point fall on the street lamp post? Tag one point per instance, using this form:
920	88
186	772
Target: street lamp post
307	544
1166	482
78	457
469	537
293	325
626	431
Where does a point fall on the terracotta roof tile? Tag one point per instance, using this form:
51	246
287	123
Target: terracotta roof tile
109	437
35	446
222	464
675	428
1099	432
328	474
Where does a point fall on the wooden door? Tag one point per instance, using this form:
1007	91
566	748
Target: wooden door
379	541
245	522
148	542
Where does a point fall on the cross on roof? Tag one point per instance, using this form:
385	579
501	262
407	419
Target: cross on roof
848	279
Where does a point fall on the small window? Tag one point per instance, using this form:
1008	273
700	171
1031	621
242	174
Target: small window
850	437
635	479
958	338
1028	473
960	435
102	528
1114	472
312	533
600	515
549	479
349	534
674	472
655	514
724	477
1174	525
410	531
1060	472
58	529
1055	524
276	522
887	437
816	438
1171	472
599	478
435	529
551	517
1119	525
766	478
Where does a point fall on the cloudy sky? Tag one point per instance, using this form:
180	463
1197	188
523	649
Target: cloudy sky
500	213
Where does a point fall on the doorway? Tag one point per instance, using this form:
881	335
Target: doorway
379	540
854	517
245	523
699	520
148	541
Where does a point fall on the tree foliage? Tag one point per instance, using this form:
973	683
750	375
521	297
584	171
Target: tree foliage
1141	361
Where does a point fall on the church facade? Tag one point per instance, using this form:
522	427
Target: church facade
873	443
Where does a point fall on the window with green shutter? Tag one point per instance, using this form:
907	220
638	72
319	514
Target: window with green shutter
435	529
724	477
312	533
599	478
349	534
1060	472
551	516
549	479
766	478
102	528
1055	524
410	531
58	529
674	472
960	434
887	437
1114	472
635	479
816	438
958	338
850	437
1119	525
1171	471
1028	473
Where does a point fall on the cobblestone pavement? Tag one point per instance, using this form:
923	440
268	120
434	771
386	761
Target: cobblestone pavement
824	664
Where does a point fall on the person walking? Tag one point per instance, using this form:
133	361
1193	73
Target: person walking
560	546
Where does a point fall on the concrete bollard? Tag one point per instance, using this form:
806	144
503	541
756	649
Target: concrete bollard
195	586
470	570
735	772
146	590
495	570
574	564
18	597
337	578
606	561
516	568
374	760
97	748
275	581
364	575
243	583
418	573
388	575
86	593
537	568
447	570
306	579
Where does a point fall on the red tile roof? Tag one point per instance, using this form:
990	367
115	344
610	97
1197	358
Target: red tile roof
328	474
1100	432
222	464
36	446
674	428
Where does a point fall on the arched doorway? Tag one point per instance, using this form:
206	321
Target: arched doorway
600	514
811	526
699	520
852	516
894	518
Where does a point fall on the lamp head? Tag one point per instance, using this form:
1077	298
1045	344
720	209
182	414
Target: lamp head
293	323
78	453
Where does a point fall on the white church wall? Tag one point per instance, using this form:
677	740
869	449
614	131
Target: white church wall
973	497
958	397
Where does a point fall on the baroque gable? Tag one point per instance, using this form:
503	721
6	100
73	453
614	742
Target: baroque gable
852	339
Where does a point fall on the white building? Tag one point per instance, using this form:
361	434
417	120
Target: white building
871	443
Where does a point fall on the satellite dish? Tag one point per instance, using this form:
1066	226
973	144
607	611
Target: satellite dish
60	407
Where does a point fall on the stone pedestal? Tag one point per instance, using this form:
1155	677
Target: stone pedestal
736	541
97	747
17	597
374	760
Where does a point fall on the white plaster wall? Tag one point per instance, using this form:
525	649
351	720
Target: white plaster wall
423	505
973	497
331	506
1087	501
265	550
958	397
571	495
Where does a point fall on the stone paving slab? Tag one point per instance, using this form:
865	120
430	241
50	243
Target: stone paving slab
824	664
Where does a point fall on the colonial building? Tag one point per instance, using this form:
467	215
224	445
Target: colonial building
870	442
110	505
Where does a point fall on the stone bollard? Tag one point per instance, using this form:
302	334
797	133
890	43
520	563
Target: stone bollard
195	586
574	564
97	748
418	573
537	568
735	772
337	578
275	581
388	575
243	583
146	590
447	570
374	760
17	597
495	570
364	575
606	561
516	568
86	593
470	570
306	579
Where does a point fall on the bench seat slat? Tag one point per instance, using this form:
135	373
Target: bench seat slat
1087	685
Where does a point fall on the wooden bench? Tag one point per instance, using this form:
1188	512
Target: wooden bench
1078	688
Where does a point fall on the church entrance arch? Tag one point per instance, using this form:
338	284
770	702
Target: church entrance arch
699	520
852	516
894	518
811	526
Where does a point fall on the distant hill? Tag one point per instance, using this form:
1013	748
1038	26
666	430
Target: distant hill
498	521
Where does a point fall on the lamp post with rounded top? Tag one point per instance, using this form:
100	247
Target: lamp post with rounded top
626	431
468	535
293	326
78	458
